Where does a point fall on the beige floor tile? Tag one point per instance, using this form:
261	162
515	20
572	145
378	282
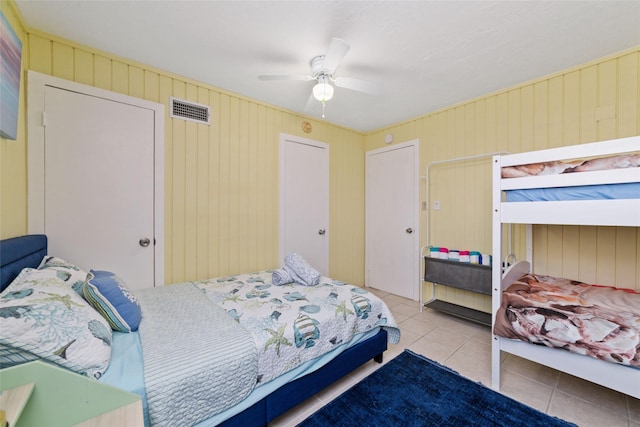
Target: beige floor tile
432	316
585	414
393	300
399	317
532	370
329	393
482	334
432	350
377	292
477	349
593	393
525	390
298	413
444	336
406	339
469	366
406	309
417	326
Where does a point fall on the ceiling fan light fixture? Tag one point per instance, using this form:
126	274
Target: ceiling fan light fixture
323	91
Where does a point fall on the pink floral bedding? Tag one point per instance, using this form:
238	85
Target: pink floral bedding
597	321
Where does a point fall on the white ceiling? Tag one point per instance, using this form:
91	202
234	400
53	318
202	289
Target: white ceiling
426	54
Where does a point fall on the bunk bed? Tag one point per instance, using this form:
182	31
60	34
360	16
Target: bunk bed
519	180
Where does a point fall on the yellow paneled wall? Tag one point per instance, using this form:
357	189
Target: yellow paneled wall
221	181
594	102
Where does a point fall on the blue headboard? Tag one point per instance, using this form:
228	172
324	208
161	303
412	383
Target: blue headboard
18	253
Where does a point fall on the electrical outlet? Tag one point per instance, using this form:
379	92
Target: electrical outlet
436	205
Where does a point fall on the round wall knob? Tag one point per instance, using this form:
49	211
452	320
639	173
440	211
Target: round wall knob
321	231
144	242
409	230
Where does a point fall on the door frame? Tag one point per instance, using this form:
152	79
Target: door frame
416	210
36	122
282	220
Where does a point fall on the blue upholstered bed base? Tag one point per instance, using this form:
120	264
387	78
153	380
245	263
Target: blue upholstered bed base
27	251
18	253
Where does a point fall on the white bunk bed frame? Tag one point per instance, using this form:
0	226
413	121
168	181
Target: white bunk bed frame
622	212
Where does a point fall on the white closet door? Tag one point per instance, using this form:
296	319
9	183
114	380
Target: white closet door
99	184
304	200
392	236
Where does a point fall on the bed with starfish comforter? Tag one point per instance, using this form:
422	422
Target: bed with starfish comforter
286	332
235	350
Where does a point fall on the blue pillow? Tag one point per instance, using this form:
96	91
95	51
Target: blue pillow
108	294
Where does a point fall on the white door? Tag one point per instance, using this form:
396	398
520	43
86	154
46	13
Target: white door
99	184
304	200
392	235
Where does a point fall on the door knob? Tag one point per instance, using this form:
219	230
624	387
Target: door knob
409	230
321	231
144	242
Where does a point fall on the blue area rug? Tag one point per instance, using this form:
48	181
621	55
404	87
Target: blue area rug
412	390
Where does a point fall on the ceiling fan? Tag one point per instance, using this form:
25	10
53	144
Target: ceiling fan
323	70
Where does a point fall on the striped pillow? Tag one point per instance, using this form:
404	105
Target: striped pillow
108	294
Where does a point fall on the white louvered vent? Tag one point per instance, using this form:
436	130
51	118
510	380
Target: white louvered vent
187	110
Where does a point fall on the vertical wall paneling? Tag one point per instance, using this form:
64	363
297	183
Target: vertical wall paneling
527	123
625	258
571	109
119	77
40	62
102	73
588	103
570	256
541	126
628	87
62	64
607	95
588	251
190	172
165	89
252	207
606	255
83	67
234	162
232	190
593	102
244	215
555	111
202	220
179	208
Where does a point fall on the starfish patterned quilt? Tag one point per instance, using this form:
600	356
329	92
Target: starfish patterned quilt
291	324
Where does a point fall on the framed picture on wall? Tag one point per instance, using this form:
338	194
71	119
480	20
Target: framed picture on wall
10	58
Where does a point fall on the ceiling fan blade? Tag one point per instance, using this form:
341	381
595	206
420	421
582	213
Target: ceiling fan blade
285	77
311	103
338	48
358	85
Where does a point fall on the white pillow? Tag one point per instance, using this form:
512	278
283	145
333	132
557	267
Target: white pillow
41	317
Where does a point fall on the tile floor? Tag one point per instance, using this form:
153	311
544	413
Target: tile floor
468	351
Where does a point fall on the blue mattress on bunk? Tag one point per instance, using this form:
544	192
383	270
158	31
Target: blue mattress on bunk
629	190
